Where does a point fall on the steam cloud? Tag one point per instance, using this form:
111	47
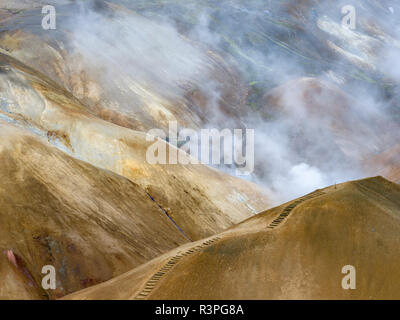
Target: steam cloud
301	145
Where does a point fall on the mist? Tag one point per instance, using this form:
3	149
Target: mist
156	54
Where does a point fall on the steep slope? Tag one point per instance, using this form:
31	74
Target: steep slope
231	56
195	196
295	251
131	84
90	224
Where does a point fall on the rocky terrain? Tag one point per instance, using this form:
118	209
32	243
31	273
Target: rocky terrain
78	192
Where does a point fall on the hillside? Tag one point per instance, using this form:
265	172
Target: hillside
294	251
91	224
124	126
194	195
